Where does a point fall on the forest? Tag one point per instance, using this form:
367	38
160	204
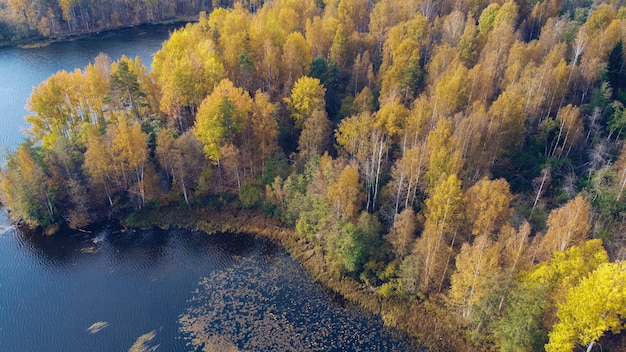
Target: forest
465	156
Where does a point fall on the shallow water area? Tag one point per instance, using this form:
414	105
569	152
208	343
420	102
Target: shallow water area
115	289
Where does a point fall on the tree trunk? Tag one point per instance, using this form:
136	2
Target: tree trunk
543	181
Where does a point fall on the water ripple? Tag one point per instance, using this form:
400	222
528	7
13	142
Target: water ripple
232	291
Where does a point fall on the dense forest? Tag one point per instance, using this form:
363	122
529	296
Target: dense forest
465	156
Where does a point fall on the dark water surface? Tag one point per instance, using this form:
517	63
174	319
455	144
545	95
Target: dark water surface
179	290
23	69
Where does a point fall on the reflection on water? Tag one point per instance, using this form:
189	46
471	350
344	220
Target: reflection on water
155	290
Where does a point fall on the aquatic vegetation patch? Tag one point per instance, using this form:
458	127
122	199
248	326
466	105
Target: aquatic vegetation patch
97	326
143	343
275	307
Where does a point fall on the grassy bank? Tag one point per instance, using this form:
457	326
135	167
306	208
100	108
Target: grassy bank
425	323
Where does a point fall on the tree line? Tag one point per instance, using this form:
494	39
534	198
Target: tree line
466	154
27	20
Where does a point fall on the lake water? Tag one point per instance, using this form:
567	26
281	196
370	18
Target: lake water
177	289
113	290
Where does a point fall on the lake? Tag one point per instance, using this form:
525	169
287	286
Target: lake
154	290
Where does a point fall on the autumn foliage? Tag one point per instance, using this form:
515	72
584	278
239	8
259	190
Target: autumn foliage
465	158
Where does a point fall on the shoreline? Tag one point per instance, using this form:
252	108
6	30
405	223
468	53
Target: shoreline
40	42
425	324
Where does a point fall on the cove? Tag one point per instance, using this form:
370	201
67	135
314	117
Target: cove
172	290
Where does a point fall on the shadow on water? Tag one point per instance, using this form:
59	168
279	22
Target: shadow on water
151	246
62	249
131	245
